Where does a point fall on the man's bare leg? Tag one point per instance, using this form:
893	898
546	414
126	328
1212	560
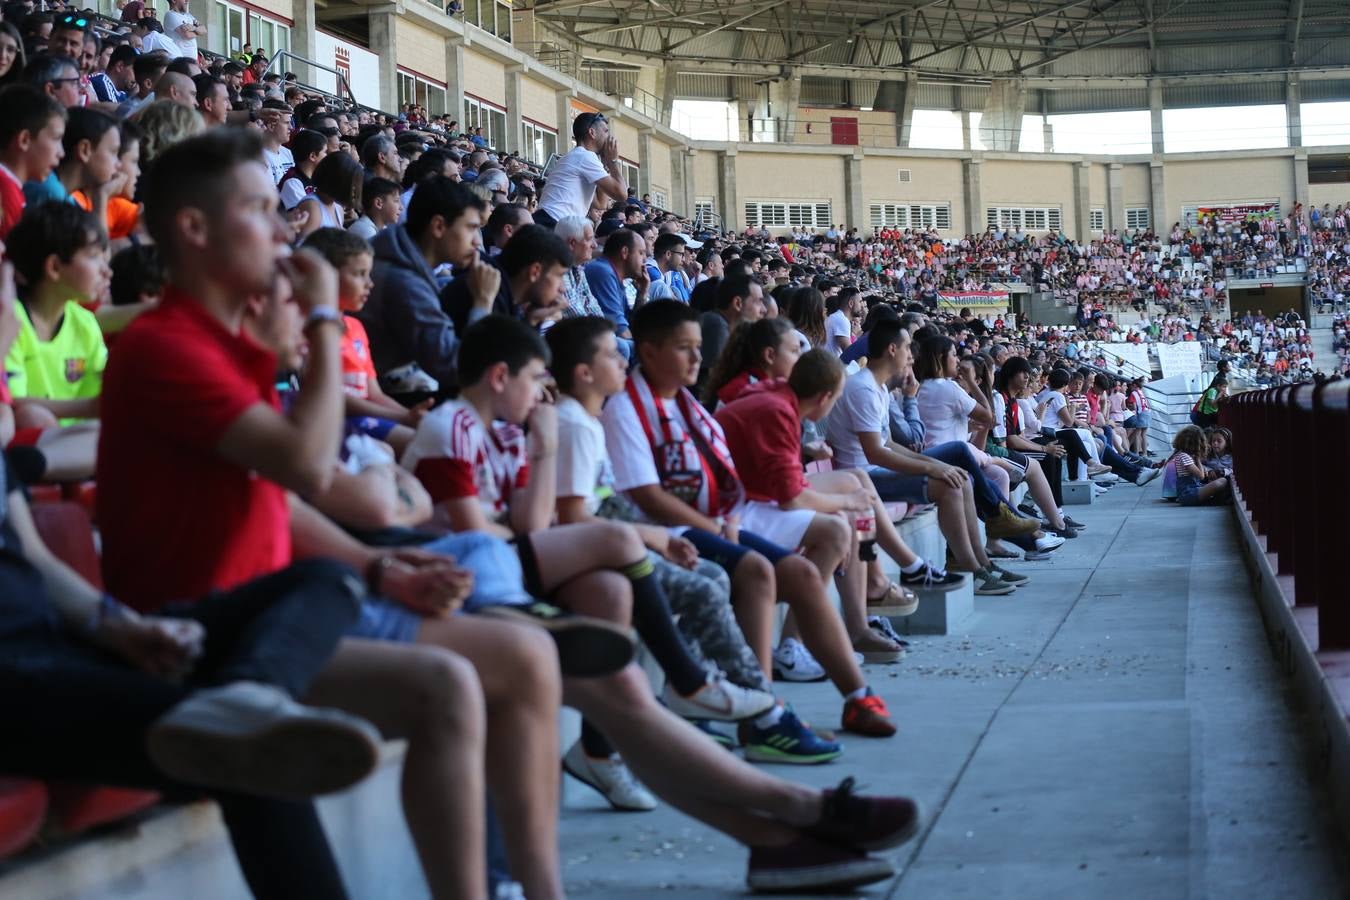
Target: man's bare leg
431	697
823	633
952	520
518	668
753	599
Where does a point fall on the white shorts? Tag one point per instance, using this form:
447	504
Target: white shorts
784	527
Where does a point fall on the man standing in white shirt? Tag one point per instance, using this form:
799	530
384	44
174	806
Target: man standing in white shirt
591	166
182	28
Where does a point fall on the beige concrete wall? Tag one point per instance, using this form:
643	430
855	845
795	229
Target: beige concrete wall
875	129
1097	184
284	9
660	177
1137	184
1190	181
627	136
789	176
1016	182
538	101
938	180
1334	194
420	50
484	77
705	175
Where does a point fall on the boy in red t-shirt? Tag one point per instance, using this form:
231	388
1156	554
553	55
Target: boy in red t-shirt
30	146
369	410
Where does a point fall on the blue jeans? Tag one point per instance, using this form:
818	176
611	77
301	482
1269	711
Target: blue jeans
958	453
1119	464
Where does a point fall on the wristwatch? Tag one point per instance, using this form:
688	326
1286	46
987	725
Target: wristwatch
375	570
325	314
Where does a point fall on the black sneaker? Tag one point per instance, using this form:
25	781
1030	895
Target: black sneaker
587	647
810	864
1027	508
865	823
1076	526
928	578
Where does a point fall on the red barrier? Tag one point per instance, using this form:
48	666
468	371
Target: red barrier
1291	459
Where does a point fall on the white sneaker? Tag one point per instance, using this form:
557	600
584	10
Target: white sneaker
1106	478
611	778
1147	475
252	738
793	662
1048	542
719	700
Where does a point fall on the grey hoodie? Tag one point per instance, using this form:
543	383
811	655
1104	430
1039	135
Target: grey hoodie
403	316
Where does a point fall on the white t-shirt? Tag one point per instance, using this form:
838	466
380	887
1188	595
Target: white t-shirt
945	410
838	325
570	188
1054	401
584	469
292	192
278	163
454	455
1000	429
863	407
153	40
172	21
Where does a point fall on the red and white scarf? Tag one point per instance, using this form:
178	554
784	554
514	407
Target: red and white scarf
694	465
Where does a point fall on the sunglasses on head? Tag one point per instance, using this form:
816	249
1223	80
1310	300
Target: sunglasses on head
74	22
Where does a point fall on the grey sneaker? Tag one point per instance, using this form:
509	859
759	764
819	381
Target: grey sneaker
252	738
989	583
1007	577
718	700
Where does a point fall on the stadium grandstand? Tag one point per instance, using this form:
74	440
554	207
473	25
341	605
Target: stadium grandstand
529	448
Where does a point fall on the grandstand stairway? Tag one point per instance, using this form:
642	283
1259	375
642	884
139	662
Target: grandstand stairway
1324	357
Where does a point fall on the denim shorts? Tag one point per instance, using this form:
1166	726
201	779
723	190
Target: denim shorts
894	487
497	580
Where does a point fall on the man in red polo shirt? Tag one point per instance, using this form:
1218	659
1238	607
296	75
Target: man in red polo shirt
195	459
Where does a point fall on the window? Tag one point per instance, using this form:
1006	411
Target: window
1029	218
537	142
487	116
232	27
1136	217
779	214
905	215
630	173
659	199
412	89
490	15
703	211
1096	220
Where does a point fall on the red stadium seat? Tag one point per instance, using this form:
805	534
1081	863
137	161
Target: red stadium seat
44	493
77	807
67	532
23	806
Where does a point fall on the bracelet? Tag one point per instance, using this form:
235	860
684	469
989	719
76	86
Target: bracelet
375	570
324	314
109	609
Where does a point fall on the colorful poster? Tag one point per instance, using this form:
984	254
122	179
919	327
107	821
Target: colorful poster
974	298
1238	212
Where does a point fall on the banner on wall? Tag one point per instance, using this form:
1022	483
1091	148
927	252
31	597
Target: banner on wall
1182	358
974	298
1229	214
1127	360
358	65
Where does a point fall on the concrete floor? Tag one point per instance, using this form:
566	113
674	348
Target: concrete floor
1115	729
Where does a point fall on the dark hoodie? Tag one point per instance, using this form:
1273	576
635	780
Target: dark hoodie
403	316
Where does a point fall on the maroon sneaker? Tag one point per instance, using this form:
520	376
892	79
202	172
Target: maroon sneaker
808	864
865	823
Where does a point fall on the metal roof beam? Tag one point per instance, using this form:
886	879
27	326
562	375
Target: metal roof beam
1292	29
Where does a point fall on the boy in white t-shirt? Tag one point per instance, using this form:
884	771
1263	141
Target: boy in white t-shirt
670	456
839	323
502	371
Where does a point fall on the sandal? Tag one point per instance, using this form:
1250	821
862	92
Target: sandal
896	601
1001	552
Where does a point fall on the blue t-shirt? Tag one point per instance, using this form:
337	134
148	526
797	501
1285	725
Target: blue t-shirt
608	292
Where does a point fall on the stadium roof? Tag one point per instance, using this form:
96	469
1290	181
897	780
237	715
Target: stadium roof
1050	44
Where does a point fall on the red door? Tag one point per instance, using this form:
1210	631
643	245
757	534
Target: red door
844	130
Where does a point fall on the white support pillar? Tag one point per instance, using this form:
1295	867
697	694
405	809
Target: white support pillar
514	76
904	116
687	156
855	208
666	79
1301	192
784	98
965	129
564	99
1082	200
1115	196
1157	203
454	79
382	44
302	38
1004	106
644	185
1155	114
727	194
975	219
1293	110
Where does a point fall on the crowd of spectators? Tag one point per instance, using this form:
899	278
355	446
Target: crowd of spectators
432	437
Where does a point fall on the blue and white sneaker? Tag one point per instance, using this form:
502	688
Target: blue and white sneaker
789	741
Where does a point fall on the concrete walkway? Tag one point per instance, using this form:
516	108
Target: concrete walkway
1116	729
